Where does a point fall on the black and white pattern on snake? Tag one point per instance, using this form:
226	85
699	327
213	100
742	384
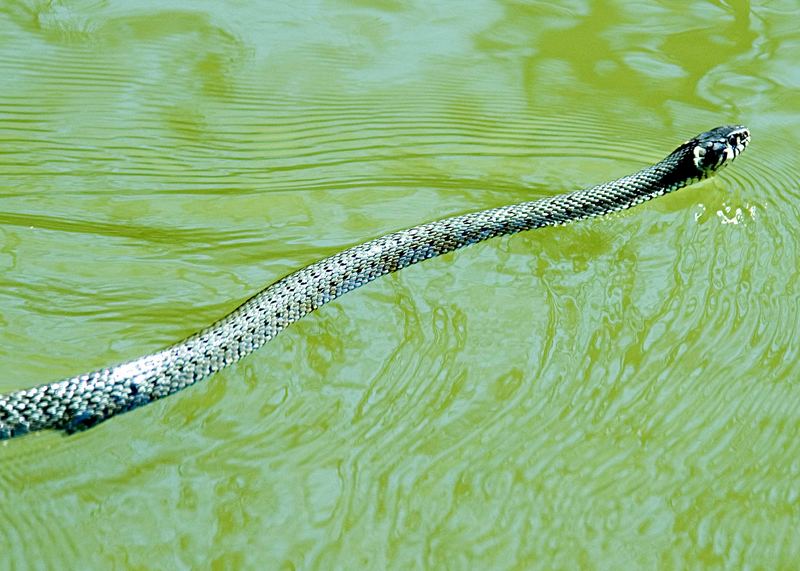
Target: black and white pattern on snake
85	400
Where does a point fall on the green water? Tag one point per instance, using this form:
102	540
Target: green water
621	393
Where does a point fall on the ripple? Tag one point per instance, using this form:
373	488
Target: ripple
620	390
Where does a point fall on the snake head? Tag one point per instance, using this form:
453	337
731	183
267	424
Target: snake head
715	148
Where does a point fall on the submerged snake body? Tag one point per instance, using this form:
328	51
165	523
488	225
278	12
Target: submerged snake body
82	401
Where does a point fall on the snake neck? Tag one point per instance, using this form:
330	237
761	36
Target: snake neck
675	171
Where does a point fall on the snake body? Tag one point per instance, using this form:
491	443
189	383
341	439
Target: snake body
85	400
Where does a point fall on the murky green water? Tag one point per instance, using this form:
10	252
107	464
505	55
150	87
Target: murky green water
621	393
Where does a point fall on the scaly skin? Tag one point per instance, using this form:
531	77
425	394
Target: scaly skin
85	400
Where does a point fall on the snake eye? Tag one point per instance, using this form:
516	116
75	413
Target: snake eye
738	140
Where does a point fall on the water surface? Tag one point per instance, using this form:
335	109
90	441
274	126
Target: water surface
619	393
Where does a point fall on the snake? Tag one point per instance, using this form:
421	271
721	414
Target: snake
78	403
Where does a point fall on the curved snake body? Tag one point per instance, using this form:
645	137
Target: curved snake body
85	400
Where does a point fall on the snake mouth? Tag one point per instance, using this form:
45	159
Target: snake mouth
737	141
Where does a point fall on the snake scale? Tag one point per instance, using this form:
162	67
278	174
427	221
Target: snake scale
85	400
